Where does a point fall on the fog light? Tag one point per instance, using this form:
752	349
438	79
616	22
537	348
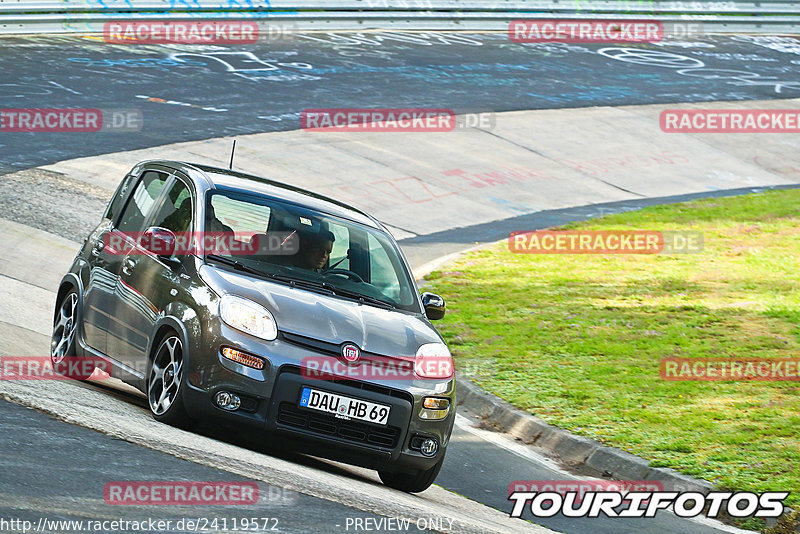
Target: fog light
428	447
243	358
228	401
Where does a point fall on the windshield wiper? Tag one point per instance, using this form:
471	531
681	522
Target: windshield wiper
307	284
239	266
335	290
361	298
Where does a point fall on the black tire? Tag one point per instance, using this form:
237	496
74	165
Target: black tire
412	483
166	369
65	327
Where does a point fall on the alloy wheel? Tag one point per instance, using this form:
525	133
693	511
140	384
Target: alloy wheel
165	375
63	337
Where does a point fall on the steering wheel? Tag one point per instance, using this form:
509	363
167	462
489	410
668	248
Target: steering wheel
344	272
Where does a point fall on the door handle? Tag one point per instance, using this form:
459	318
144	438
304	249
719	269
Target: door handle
128	265
98	247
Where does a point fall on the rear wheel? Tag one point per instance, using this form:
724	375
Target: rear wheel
412	483
165	383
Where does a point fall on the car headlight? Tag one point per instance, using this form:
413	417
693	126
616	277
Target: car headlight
434	361
247	316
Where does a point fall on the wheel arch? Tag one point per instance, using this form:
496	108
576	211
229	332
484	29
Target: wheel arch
161	328
68	283
176	317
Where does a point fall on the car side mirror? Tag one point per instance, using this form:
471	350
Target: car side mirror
159	241
434	306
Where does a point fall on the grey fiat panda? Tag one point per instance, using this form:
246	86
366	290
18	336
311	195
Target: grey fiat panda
231	298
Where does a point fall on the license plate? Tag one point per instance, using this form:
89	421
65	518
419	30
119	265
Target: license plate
344	407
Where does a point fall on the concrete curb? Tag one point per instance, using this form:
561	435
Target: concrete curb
577	451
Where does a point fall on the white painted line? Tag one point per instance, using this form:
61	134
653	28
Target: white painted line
510	445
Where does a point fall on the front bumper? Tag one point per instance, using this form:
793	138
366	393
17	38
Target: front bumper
270	403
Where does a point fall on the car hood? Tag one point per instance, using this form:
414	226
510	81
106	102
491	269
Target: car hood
327	318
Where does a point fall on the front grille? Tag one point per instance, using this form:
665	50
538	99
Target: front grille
366	386
328	425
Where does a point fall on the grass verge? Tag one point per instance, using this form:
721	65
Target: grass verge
577	339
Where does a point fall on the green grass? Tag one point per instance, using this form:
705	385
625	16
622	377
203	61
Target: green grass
577	339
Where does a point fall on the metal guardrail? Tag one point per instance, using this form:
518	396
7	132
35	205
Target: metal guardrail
109	6
89	16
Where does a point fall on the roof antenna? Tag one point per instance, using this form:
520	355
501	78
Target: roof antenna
233	148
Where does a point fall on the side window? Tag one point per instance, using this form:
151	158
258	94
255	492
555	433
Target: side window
382	273
340	246
141	201
175	212
115	206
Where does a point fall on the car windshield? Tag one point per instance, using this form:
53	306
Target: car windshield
293	244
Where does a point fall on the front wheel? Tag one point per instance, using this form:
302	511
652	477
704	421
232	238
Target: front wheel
412	483
165	383
65	326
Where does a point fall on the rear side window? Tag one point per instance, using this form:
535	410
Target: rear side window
141	201
115	206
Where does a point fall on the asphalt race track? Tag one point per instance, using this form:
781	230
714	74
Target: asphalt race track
189	93
47	484
215	91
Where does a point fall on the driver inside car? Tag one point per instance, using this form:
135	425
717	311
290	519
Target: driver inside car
314	251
